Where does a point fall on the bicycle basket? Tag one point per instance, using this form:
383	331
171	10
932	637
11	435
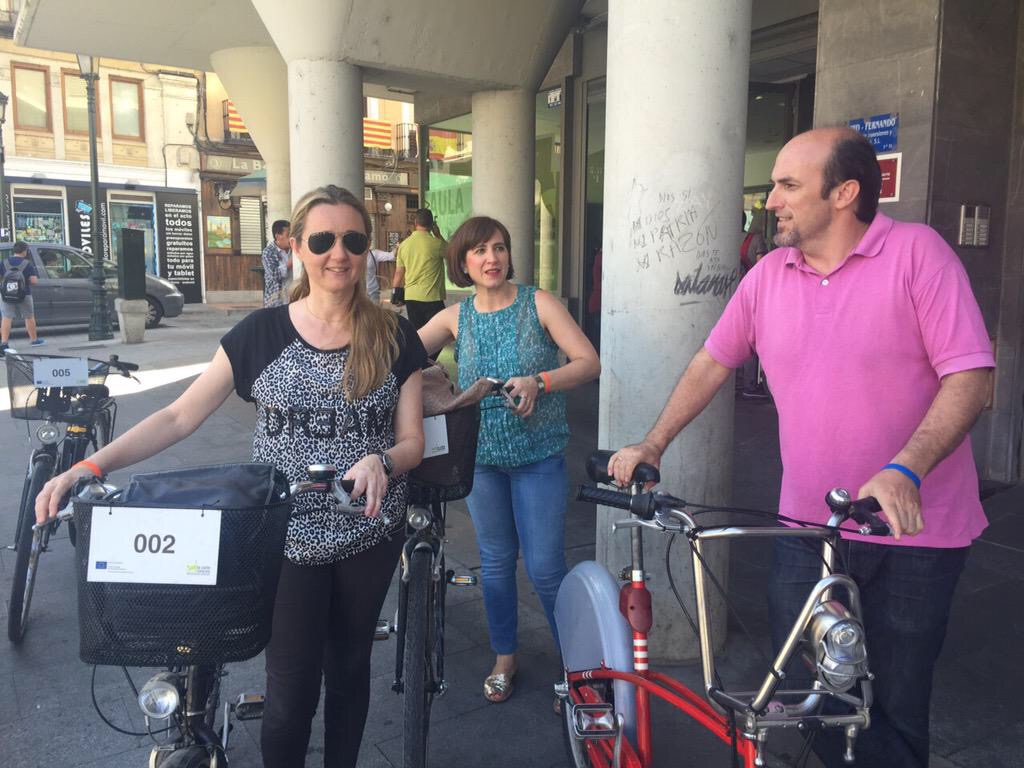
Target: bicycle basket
32	403
449	476
135	624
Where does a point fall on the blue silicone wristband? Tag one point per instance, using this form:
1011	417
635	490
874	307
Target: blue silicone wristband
906	471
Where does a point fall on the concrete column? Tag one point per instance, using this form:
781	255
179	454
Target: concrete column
503	168
256	80
675	136
325	108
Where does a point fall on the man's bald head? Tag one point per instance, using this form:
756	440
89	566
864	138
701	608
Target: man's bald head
846	155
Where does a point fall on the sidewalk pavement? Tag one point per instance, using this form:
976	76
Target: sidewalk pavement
47	718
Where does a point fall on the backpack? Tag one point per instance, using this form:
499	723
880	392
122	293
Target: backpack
13	285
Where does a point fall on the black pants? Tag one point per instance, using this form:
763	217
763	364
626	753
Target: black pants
906	593
420	312
324	620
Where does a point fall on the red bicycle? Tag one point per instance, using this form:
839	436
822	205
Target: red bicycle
603	630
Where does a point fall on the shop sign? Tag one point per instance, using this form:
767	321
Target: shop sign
891	166
178	218
232	164
393	178
880	130
80	222
555	98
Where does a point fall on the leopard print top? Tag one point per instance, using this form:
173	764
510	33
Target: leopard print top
303	418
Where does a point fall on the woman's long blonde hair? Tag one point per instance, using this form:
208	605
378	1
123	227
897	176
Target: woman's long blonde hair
374	346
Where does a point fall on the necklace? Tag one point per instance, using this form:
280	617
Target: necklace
305	305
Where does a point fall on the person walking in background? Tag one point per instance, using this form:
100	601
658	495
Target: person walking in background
277	264
373	258
17	276
419	271
880	364
329	358
514	333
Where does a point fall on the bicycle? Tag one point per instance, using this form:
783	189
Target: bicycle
195	625
448	476
607	687
58	391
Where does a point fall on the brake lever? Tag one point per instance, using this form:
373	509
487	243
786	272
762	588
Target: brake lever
634	522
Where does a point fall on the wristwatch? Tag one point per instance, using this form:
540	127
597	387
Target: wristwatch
541	386
389	465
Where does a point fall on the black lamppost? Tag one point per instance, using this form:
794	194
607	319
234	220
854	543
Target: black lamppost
5	235
99	322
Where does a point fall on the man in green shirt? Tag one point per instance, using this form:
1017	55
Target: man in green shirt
420	270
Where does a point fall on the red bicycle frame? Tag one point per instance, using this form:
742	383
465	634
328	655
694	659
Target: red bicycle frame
635	605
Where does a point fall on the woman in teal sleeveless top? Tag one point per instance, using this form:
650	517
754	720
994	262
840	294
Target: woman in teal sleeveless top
516	333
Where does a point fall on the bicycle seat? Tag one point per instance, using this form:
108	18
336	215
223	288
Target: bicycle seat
597	469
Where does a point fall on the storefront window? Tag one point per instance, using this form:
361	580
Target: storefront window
31	97
39	220
134	215
450	163
548	170
126	108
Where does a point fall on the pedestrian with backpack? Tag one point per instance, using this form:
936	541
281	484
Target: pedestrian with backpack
17	276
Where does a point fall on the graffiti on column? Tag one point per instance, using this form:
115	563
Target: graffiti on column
680	227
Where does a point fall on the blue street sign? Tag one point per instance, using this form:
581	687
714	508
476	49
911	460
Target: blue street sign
83	207
880	130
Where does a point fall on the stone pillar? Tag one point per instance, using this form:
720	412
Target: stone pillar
325	108
503	168
675	137
256	79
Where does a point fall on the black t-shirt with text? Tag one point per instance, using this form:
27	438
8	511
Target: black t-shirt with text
303	418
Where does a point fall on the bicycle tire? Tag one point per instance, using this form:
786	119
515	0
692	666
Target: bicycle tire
417	696
29	546
191	757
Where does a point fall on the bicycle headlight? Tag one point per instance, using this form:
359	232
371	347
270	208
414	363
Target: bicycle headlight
418	519
840	653
159	697
48	434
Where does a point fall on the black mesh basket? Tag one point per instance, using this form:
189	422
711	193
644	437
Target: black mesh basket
34	404
128	624
450	476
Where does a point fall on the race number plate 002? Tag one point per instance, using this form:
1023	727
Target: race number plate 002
60	372
143	545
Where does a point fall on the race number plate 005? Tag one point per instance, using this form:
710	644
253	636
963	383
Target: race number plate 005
60	372
143	545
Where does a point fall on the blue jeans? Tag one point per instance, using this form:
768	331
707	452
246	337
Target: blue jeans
906	594
512	506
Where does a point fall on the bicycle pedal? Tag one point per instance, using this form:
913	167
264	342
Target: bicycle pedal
249	706
383	630
461	580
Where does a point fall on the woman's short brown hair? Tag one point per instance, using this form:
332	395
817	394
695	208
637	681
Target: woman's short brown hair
471	233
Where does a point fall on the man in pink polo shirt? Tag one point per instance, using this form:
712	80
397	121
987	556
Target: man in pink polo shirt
879	364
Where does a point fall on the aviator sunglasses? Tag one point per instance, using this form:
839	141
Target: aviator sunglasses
321	242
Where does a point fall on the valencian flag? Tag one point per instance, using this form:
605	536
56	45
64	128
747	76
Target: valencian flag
376	133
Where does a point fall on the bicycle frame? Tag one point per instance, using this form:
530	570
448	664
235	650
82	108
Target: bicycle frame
758	711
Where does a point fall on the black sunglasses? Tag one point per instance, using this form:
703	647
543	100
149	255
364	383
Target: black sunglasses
321	242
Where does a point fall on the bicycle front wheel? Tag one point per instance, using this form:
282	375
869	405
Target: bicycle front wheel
417	660
29	546
190	757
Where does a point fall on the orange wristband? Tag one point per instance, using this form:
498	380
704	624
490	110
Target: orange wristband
90	466
547	381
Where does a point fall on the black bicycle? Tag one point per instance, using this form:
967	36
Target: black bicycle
190	629
77	419
448	476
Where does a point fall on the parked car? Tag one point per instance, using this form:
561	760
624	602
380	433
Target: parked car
63	295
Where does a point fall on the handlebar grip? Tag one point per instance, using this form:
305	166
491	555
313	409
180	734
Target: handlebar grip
347	485
604	497
864	511
597	469
128	366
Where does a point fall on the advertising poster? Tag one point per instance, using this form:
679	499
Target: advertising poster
218	232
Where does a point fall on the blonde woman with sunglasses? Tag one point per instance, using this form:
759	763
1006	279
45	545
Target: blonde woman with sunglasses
336	380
